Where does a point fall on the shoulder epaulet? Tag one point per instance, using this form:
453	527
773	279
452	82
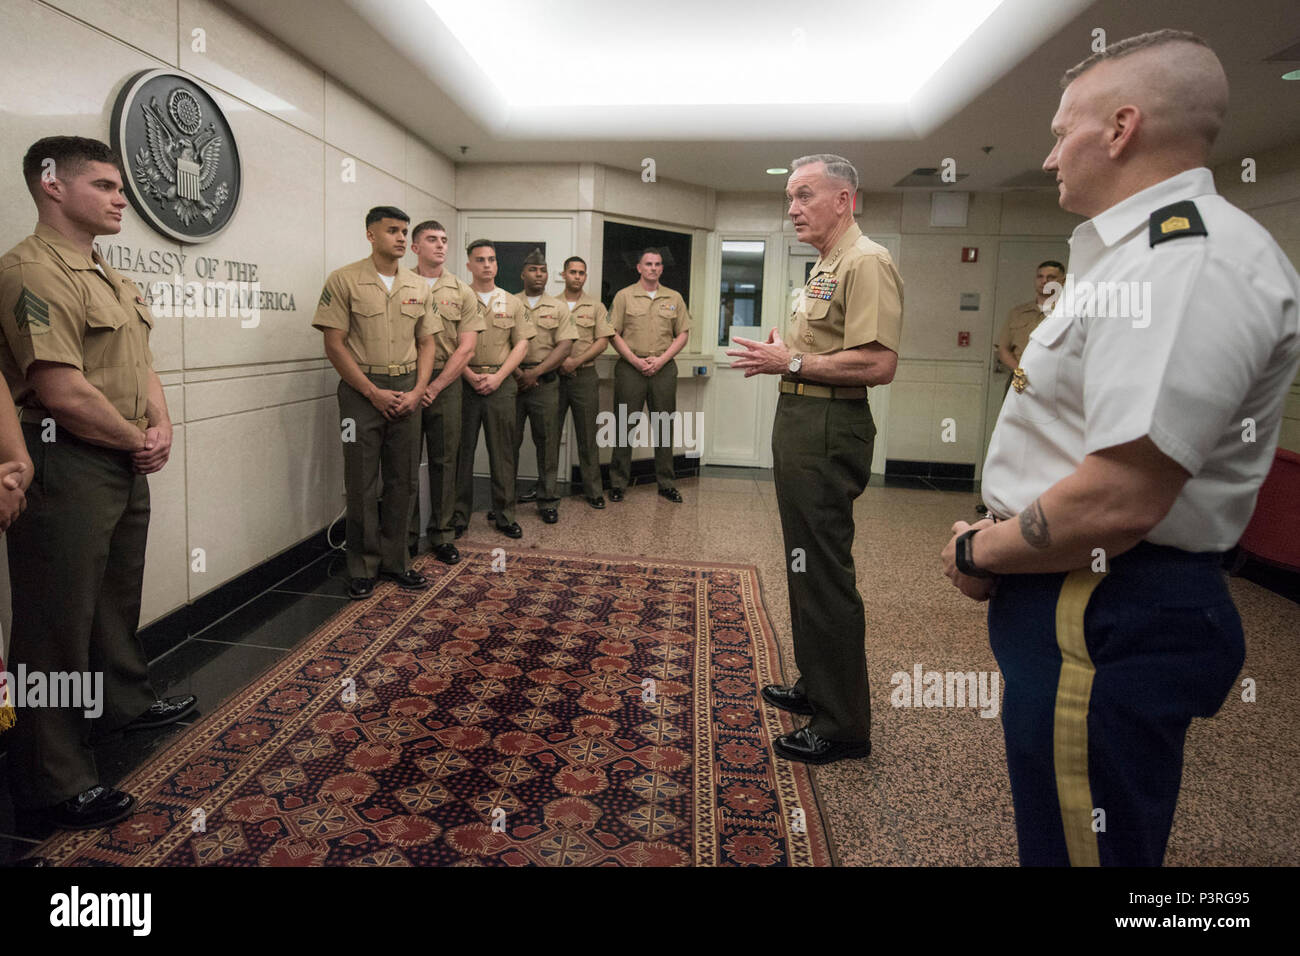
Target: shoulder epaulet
1175	221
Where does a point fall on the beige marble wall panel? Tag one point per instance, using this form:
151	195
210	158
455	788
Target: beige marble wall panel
523	186
278	229
430	171
932	298
983	215
359	130
166	558
1034	213
346	203
147	24
661	201
248	393
246	62
756	212
256	486
420	205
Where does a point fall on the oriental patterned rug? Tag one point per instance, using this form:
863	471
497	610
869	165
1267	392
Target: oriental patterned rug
564	710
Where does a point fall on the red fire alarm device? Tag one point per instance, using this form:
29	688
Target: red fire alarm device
970	254
963	339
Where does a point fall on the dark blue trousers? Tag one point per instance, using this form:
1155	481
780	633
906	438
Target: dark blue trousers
1102	674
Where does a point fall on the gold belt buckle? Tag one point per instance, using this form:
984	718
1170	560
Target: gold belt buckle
394	370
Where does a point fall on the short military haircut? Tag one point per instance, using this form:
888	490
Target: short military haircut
837	167
1052	263
385	212
478	244
1130	45
429	225
647	251
574	259
69	154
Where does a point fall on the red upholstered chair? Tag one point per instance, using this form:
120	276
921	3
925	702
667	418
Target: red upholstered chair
1273	534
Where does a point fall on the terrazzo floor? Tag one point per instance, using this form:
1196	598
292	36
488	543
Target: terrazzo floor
935	790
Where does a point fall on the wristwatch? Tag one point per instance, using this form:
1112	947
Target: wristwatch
796	363
965	564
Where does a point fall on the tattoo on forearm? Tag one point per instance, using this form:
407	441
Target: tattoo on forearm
1033	525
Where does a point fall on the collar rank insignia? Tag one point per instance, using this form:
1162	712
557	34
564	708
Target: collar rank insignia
1019	380
823	286
1175	221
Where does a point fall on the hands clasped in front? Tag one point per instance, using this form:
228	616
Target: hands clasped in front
977	589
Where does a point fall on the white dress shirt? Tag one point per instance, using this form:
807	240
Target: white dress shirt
1200	361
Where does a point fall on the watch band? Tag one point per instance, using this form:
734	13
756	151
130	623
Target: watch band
965	564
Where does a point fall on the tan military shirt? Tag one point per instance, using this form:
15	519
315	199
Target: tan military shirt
591	320
382	325
647	325
553	323
458	307
56	306
854	296
507	325
1021	320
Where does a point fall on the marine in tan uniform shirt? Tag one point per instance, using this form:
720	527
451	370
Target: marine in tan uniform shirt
844	335
650	324
538	401
458	307
579	381
76	555
383	327
494	412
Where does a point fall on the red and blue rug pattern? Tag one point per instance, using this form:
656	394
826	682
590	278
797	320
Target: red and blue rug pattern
562	710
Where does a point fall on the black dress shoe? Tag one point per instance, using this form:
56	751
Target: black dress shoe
598	502
549	515
529	495
91	809
460	530
406	580
788	698
511	530
672	494
807	747
163	712
446	553
361	588
616	494
492	517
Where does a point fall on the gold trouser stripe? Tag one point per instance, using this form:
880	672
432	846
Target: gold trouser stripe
1070	726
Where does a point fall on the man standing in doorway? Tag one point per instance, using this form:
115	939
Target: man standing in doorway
651	326
845	335
1023	319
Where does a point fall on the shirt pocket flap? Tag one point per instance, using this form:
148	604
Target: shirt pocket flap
1052	329
106	317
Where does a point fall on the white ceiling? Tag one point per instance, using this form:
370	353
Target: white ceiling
999	88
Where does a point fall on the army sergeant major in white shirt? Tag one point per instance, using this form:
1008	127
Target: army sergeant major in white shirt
1126	459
